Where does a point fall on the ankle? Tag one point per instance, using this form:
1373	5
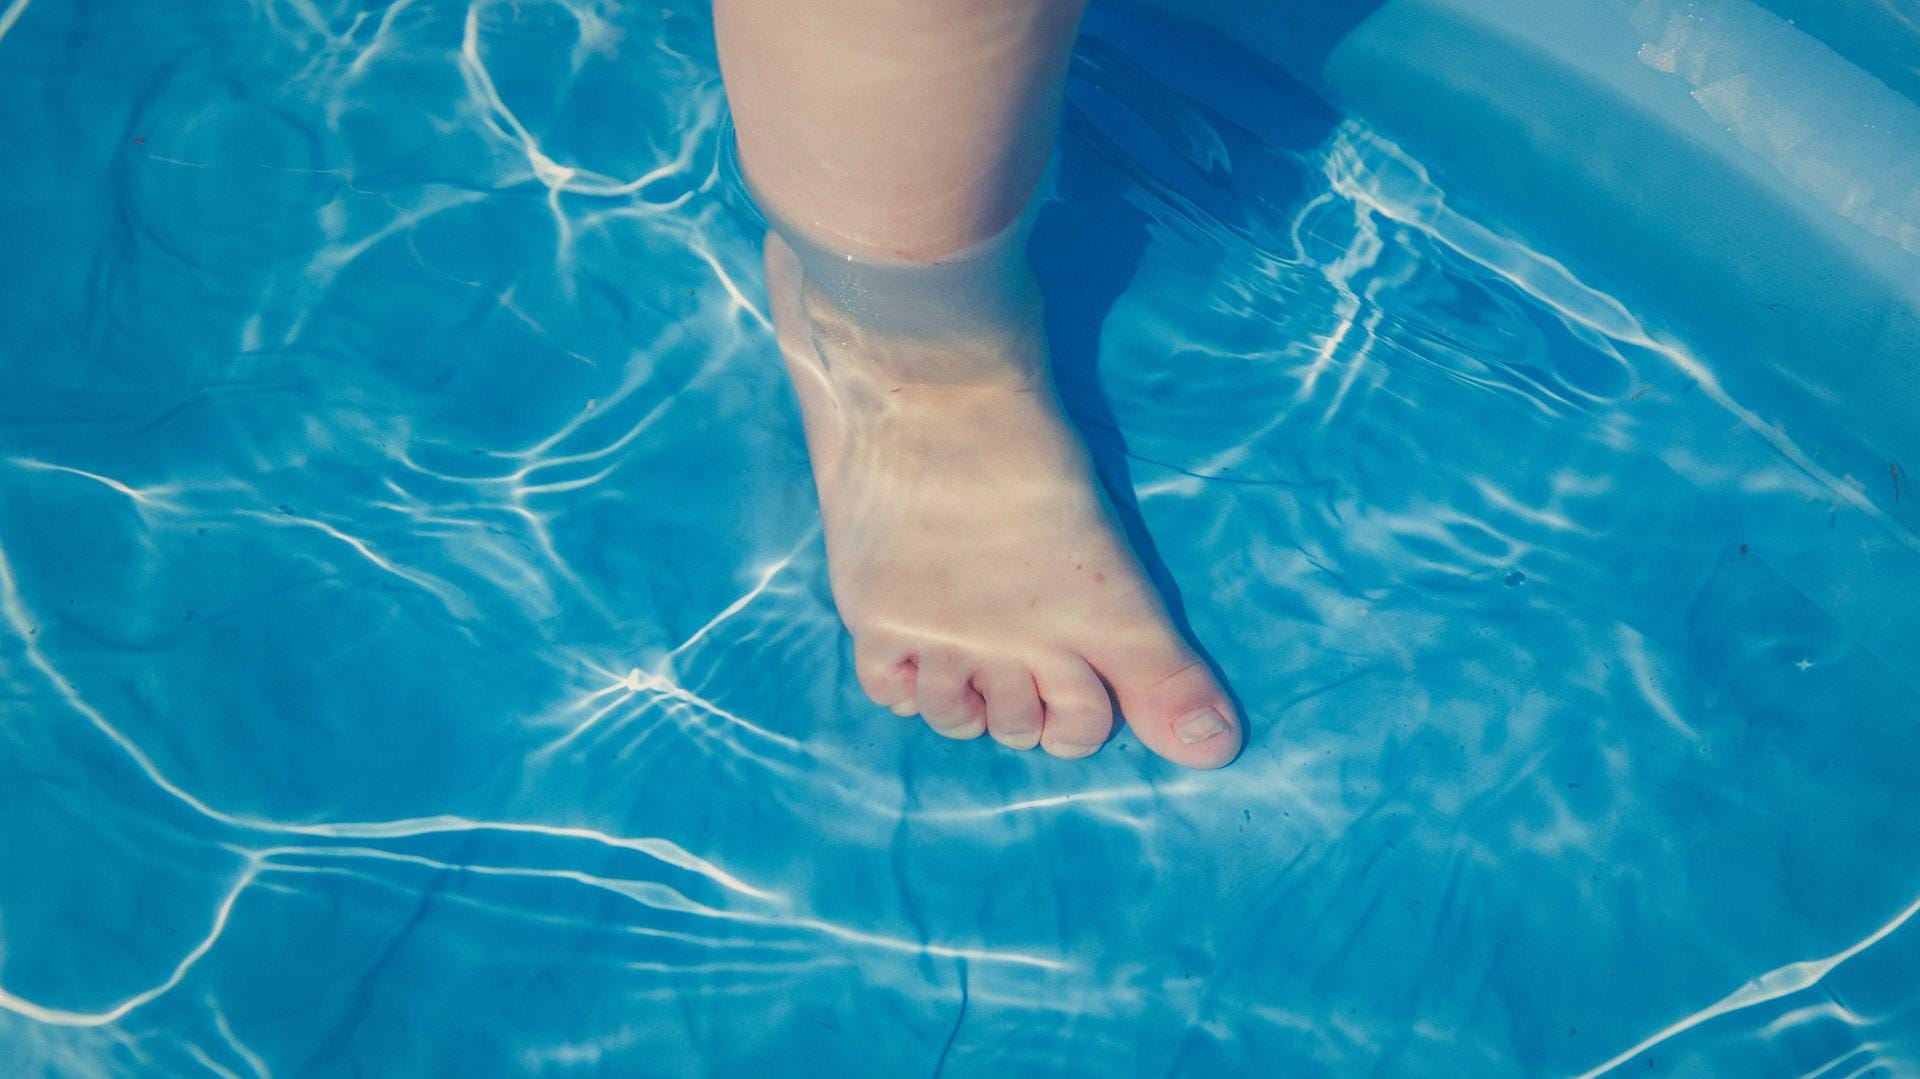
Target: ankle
1004	346
969	316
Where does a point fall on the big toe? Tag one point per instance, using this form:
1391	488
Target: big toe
1177	709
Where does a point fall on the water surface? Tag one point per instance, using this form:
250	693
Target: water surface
416	656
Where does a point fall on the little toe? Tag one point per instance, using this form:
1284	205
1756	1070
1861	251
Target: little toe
1013	705
1078	715
1177	709
948	703
886	672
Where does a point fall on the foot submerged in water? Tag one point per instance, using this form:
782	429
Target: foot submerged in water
972	553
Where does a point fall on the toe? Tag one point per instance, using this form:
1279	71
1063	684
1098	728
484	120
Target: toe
886	672
1013	704
1176	708
1078	716
948	703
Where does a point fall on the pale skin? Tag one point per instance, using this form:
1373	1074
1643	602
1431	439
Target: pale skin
973	555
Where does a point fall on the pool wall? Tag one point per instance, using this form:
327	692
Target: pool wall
1745	180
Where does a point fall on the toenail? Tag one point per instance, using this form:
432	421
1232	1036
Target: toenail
1070	750
1019	741
1199	725
902	708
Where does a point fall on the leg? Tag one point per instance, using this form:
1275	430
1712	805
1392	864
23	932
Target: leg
903	128
973	555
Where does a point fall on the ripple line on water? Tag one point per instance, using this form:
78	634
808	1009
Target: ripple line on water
63	1017
11	16
14	612
1774	984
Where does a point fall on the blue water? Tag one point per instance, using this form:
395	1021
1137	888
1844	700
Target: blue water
416	656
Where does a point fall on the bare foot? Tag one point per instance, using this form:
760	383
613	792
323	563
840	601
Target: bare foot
972	553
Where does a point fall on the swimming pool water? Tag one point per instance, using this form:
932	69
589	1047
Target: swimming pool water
416	656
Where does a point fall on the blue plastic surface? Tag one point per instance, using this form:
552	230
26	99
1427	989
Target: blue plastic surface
415	653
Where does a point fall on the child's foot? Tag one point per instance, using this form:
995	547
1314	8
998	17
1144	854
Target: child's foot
972	553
